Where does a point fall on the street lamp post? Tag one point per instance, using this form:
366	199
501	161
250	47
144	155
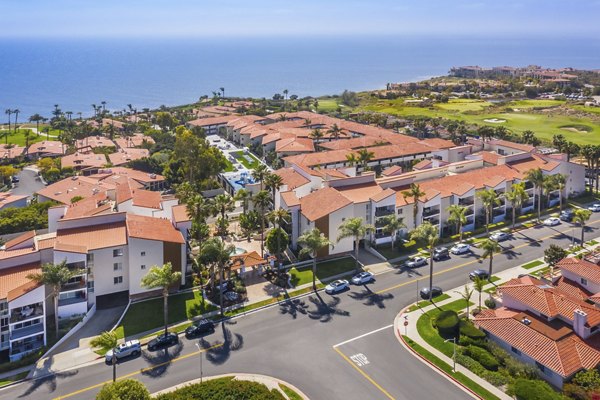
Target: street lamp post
200	350
114	364
453	340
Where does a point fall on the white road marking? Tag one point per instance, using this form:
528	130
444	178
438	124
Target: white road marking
362	336
360	359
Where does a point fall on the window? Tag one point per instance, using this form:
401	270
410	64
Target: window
117	252
143	267
117	266
90	286
515	350
143	254
399	211
583	281
118	279
540	366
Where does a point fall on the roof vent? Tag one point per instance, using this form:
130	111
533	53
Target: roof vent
526	321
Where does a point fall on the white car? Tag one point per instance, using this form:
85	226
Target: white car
337	286
499	236
416	262
460	248
595	207
362	278
552	221
129	348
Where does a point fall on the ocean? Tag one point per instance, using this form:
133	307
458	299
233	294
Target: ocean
35	74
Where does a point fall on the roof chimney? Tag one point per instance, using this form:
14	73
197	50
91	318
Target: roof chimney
579	321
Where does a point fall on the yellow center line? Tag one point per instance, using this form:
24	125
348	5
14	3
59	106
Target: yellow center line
137	372
363	373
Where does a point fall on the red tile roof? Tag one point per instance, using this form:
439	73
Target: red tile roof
250	259
14	281
93	237
152	229
19	240
180	213
291	178
582	268
322	202
290	198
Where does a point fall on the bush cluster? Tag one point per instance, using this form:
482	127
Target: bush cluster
490	303
33	216
468	329
447	323
483	357
527	389
223	389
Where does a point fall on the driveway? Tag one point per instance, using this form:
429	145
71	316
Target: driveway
29	183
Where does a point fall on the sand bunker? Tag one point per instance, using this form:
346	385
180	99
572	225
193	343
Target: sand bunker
495	120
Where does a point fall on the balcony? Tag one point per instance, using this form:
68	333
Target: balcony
433	220
469	212
498	211
72	298
467	201
430	211
26	346
27	331
501	204
384	211
27	312
71	286
528	185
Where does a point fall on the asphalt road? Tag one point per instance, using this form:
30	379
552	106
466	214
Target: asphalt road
295	341
29	183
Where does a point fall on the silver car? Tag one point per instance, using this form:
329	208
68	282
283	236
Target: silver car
416	262
129	348
337	286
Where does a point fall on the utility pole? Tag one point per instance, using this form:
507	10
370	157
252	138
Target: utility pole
114	364
453	353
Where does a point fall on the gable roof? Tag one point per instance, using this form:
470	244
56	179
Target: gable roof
322	202
291	177
581	268
19	240
92	237
149	228
14	281
180	213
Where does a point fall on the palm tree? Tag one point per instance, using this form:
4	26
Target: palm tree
279	217
490	247
105	342
391	225
37	118
560	182
429	234
364	156
27	136
8	112
273	182
354	228
16	111
516	196
466	294
352	159
478	285
590	153
259	173
416	194
244	196
222	91
215	252
536	177
489	198
456	216
221	205
316	135
581	216
162	277
261	201
54	276
335	131
548	186
312	241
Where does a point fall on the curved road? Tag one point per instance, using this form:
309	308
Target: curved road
295	341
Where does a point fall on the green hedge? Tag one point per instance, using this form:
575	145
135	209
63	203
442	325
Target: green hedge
447	323
483	357
525	389
223	389
468	329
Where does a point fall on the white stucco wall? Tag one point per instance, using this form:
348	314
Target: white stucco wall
104	273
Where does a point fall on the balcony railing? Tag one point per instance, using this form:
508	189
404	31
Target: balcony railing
468	201
25	313
69	287
498	212
433	220
383	211
27	347
380	235
428	212
27	331
72	300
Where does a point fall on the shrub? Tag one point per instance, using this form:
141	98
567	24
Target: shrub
126	389
575	392
527	389
466	341
490	303
468	329
483	357
493	377
447	323
589	380
223	389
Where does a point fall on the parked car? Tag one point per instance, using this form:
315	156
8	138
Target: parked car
566	215
499	236
460	248
200	327
416	262
130	348
479	273
337	286
362	278
163	340
15	179
435	292
594	207
223	287
439	253
552	221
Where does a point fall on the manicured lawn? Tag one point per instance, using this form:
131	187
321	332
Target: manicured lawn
535	103
328	105
325	270
425	303
19	137
148	315
462	105
481	391
241	157
14	378
291	394
398	250
430	334
229	167
494	278
533	264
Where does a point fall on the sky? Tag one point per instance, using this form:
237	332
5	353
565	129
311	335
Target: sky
197	18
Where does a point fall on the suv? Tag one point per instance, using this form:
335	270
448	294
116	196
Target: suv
566	215
440	253
199	328
163	340
129	348
479	273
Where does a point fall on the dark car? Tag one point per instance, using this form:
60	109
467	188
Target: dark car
435	292
200	328
480	273
439	253
15	179
163	341
566	215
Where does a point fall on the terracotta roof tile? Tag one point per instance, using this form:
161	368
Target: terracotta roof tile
47	147
149	228
582	268
322	202
291	178
290	199
93	237
180	213
15	278
360	193
250	259
19	240
147	199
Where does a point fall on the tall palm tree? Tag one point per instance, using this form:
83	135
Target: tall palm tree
316	135
335	132
560	182
456	216
279	217
221	205
548	186
536	177
262	201
215	252
259	173
516	196
391	225
8	112
273	182
222	89
466	294
429	234
357	229
415	193
478	285
312	241
162	277
490	247
37	118
54	276
489	198
16	111
244	196
581	216
364	156
592	157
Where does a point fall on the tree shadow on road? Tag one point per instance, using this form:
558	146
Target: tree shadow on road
219	351
371	298
293	307
49	381
325	311
530	241
161	360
